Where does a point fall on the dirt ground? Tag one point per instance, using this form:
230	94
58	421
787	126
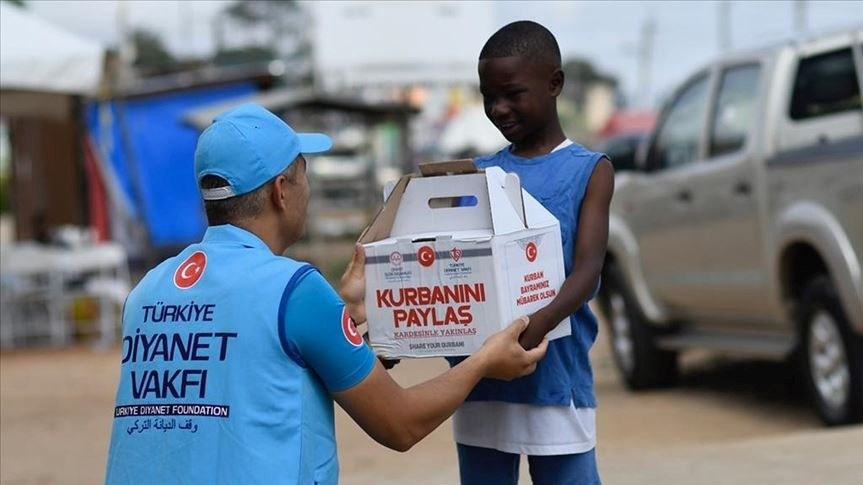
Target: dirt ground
55	414
56	407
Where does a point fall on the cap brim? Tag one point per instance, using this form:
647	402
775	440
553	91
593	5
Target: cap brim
314	142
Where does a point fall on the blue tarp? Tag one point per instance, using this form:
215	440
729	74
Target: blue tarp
151	151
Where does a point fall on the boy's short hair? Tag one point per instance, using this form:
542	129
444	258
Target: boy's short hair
522	38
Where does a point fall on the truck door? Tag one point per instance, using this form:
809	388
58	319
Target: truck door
663	218
726	202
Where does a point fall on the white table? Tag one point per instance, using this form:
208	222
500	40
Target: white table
39	283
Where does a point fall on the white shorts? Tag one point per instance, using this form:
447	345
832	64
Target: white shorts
525	428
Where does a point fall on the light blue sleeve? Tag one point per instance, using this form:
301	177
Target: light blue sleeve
318	329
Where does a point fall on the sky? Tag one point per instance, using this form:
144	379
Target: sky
607	33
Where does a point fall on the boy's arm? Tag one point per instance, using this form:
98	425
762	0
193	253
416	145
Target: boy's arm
590	247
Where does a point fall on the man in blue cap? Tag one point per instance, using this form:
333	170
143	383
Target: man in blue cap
232	353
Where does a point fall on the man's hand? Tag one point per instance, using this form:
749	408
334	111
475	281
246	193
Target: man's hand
504	356
352	288
398	417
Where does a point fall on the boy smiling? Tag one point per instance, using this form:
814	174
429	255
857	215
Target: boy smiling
548	416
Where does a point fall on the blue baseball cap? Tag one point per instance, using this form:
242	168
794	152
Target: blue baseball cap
248	146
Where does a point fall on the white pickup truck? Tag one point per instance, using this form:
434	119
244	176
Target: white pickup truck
742	230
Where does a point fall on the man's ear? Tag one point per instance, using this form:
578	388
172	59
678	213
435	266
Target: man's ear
555	83
278	192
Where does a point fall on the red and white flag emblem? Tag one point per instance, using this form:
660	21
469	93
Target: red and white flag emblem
350	329
425	255
188	273
530	252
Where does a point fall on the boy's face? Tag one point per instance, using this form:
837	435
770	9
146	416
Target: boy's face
519	96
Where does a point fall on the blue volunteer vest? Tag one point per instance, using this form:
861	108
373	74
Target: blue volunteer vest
558	181
207	393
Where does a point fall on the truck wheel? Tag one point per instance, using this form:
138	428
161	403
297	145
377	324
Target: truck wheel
831	355
639	361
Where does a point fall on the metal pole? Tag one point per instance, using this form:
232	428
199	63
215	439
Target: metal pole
645	57
800	17
723	27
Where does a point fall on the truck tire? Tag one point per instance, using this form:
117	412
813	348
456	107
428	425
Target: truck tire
639	361
831	355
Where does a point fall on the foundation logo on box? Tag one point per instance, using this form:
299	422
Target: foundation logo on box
425	255
397	273
455	269
530	251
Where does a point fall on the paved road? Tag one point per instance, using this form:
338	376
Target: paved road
738	410
726	422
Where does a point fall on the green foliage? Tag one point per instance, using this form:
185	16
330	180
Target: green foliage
150	52
4	194
580	74
20	3
253	12
583	71
228	57
285	25
572	120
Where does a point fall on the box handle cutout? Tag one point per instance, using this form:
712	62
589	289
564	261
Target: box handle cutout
455	201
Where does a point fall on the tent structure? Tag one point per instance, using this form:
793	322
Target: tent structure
149	149
36	55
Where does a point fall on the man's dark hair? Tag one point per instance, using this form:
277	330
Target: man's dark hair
232	209
235	209
525	39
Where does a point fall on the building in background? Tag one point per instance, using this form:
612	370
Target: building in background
46	74
93	149
421	52
347	183
362	44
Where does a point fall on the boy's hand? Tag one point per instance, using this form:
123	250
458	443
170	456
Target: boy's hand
352	287
505	357
540	325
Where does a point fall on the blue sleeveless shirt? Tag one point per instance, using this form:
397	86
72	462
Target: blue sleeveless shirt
228	358
558	180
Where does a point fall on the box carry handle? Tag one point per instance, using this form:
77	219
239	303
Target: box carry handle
451	167
453	201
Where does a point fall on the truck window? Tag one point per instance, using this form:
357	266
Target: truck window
676	143
621	150
825	84
735	109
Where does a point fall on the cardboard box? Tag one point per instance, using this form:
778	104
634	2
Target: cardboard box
454	256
